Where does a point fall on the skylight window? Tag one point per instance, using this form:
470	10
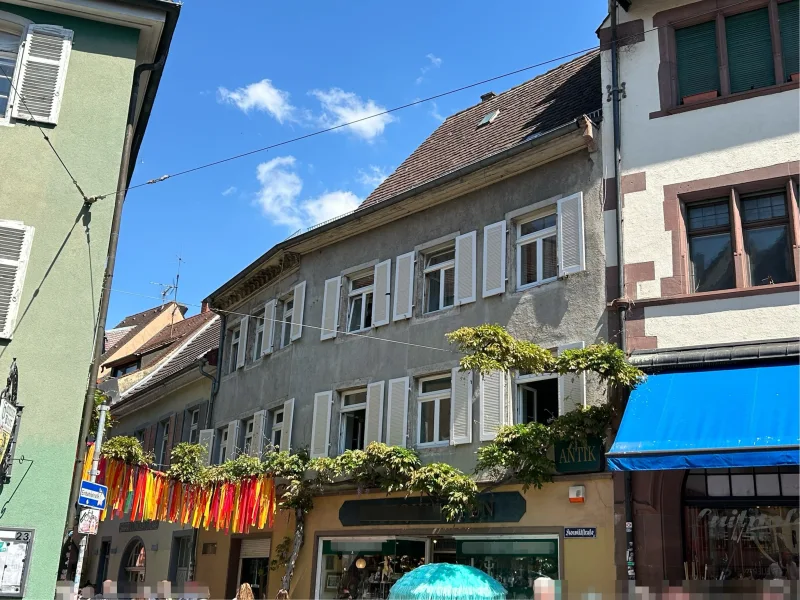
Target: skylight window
489	118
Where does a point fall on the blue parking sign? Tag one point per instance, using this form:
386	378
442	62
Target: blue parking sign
92	495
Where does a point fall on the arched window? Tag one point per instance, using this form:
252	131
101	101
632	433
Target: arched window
742	523
134	561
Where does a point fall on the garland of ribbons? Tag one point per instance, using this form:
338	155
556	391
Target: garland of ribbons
149	495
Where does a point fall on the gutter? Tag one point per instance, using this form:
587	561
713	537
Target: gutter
540	140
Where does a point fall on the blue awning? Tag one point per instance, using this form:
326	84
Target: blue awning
737	417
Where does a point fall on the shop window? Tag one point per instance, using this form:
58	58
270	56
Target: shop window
359	304
433	411
353	418
180	560
439	280
537	255
741	523
537	398
134	562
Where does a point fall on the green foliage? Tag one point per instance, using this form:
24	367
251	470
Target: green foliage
99	398
281	554
583	423
186	464
378	466
491	348
127	449
456	491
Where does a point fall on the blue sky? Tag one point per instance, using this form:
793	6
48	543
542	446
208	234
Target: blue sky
270	71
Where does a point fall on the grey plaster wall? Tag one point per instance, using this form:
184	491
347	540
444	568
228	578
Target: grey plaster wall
563	311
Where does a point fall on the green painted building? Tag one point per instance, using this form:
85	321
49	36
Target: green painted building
66	72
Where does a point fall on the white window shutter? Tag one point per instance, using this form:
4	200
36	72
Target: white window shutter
259	425
242	351
403	286
397	420
297	314
374	416
571	388
330	308
465	268
321	424
461	407
381	299
268	345
42	71
494	259
232	448
206	440
493	404
15	248
571	251
286	434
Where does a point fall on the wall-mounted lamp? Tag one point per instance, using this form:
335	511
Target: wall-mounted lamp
361	563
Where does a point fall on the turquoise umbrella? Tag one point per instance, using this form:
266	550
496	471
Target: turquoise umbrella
443	581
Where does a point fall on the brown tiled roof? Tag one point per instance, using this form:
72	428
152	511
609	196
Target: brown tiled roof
196	343
135	323
534	107
174	333
113	336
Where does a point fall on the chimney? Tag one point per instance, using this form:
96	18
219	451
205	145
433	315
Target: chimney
488	96
204	307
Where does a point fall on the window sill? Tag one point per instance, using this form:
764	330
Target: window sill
433	445
777	288
432	316
531	286
773	89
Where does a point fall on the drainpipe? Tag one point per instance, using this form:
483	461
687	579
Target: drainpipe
105	292
622	306
212	397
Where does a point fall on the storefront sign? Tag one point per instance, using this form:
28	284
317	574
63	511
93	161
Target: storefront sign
580	532
499	507
129	526
575	457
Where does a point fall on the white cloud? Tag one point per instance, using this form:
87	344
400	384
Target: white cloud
262	96
435	112
373	176
279	197
434	63
229	191
339	107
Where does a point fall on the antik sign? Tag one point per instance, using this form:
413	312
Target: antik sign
579	457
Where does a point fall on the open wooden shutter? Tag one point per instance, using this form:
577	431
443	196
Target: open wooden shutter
42	73
170	439
374	416
242	351
494	259
150	437
259	425
179	419
461	407
397	420
696	58
206	440
381	300
571	388
330	308
750	60
268	345
286	434
321	424
493	404
15	248
297	315
465	268
571	252
789	16
232	449
403	286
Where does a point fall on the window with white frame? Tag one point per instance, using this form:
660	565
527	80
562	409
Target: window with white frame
233	355
359	306
537	250
10	37
163	448
277	428
222	453
433	411
194	426
249	424
258	338
286	325
439	279
353	419
537	398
